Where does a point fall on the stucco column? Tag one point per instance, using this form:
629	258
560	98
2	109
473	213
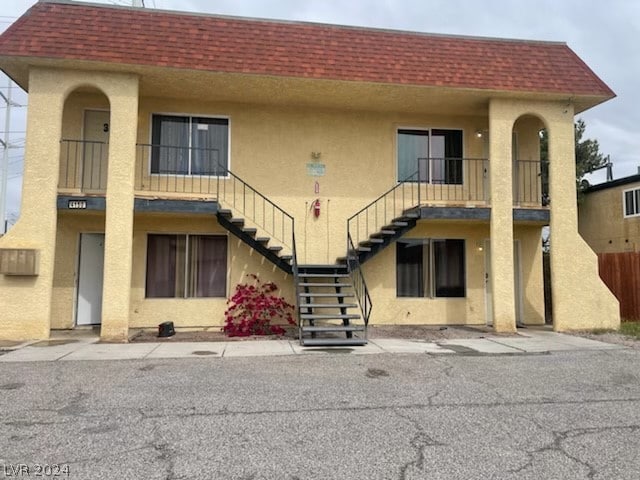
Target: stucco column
118	249
501	197
580	298
25	302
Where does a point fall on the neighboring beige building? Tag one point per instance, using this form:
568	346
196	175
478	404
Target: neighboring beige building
609	216
152	135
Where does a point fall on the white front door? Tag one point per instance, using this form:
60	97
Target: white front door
517	276
90	272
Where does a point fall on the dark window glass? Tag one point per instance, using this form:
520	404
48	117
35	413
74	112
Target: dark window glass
411	268
180	266
448	266
430	268
189	145
434	157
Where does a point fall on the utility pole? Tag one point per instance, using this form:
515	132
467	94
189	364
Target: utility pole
4	168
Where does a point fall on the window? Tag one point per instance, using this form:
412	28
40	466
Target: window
186	266
432	156
189	145
631	202
430	268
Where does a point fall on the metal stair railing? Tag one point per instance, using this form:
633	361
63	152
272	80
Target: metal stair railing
391	204
358	283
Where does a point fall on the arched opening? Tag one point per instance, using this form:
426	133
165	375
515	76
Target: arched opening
529	156
84	145
79	255
529	159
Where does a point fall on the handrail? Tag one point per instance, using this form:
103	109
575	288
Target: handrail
247	201
358	282
437	180
294	271
383	209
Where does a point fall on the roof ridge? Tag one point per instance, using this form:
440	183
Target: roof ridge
308	23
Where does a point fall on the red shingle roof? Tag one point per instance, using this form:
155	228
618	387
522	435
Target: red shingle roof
237	45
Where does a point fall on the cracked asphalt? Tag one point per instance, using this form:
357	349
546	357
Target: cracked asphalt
563	416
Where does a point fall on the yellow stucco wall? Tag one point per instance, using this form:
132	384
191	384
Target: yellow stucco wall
602	223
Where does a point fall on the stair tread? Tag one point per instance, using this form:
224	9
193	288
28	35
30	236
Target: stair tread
319	342
262	239
328	305
329	316
323	275
339	285
224	212
275	248
337	295
372	240
334	328
319	265
237	220
385	232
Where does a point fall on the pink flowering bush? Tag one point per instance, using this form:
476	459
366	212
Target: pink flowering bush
253	307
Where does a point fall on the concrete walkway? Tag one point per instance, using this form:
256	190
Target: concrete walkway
88	348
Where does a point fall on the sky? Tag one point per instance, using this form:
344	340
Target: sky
604	34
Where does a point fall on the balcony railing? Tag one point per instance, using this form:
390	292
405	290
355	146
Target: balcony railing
452	180
83	166
166	169
530	183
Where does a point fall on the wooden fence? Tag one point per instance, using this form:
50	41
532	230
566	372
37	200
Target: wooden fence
621	273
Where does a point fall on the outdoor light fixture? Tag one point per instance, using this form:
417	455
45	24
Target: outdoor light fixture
479	134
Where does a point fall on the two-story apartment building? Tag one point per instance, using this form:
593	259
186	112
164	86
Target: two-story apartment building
373	175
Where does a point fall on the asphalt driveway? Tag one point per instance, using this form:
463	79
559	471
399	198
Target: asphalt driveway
558	415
